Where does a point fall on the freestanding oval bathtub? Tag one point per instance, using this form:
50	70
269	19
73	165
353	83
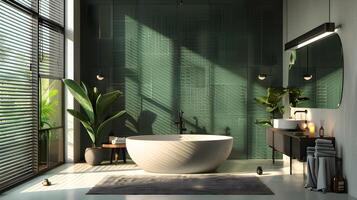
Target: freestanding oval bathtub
176	154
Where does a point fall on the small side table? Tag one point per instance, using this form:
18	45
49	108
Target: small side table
119	147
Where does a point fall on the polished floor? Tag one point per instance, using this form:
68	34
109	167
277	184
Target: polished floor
72	181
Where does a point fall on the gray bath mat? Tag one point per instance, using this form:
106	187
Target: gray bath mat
206	184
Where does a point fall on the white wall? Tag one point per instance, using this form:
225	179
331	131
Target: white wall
302	16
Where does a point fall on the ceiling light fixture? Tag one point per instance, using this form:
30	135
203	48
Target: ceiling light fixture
100	77
307	76
313	35
262	77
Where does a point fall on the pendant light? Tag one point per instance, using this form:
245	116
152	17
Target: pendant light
100	76
261	76
313	35
307	76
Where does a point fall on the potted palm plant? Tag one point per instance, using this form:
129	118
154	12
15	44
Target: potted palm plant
94	116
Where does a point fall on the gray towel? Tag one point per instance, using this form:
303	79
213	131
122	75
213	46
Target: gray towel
321	154
326	151
324	145
311	180
310	148
323	141
326	170
312	153
323	148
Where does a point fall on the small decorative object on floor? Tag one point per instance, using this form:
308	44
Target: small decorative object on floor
259	170
46	182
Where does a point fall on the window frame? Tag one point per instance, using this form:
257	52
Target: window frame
54	26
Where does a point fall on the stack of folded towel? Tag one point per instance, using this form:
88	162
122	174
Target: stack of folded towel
320	165
324	148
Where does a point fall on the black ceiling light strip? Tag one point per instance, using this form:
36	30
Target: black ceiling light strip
315	34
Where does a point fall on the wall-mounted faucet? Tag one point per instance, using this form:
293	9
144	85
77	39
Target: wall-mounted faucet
301	111
180	123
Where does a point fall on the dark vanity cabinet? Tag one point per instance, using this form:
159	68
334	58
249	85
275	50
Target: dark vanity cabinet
291	143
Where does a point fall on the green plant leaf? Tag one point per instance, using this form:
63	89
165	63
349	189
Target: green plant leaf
275	95
104	101
264	122
295	97
80	95
271	109
78	115
85	122
104	124
292	59
263	100
84	88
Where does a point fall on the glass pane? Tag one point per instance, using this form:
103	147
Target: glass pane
51	53
50	148
55	147
53	10
50	103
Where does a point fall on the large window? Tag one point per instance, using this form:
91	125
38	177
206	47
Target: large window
31	69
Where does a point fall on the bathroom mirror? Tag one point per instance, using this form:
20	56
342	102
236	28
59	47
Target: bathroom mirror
318	72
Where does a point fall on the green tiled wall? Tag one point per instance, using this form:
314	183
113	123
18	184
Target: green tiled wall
202	57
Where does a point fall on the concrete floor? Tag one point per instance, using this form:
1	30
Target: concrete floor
72	181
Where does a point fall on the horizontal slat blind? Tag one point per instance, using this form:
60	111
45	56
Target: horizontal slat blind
51	53
18	94
53	10
32	4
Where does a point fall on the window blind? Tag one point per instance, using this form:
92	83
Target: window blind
31	4
51	53
53	10
18	95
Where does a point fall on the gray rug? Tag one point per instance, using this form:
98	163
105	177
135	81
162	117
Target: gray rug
207	184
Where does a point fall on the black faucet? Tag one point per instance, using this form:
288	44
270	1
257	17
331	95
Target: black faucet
180	123
301	111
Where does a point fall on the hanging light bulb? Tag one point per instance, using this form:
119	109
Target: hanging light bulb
262	77
100	77
307	77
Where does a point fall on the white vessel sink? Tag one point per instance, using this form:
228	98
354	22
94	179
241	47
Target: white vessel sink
289	124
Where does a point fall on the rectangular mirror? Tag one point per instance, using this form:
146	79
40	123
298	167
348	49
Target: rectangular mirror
317	69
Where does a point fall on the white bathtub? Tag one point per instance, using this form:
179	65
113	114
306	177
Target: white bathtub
176	154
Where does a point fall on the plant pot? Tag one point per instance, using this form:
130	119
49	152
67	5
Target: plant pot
93	156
